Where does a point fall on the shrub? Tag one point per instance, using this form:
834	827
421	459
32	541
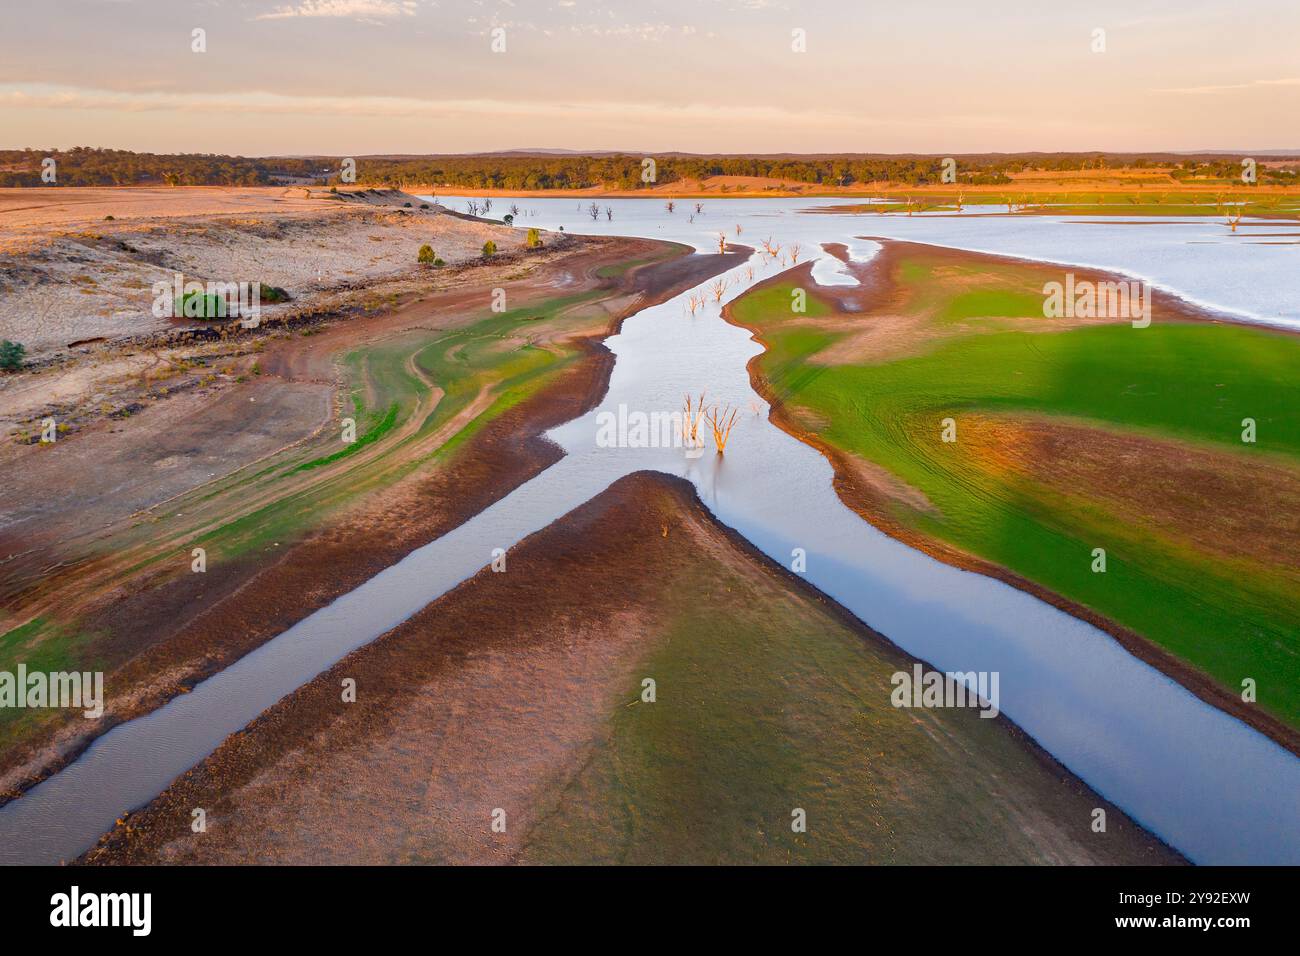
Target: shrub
534	239
426	254
272	293
489	248
201	305
11	355
439	262
509	220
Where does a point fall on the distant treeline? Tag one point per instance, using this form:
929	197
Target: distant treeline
86	166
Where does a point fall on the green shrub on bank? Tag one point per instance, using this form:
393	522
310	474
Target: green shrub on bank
489	248
201	305
11	355
426	255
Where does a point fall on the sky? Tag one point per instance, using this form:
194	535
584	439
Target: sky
358	77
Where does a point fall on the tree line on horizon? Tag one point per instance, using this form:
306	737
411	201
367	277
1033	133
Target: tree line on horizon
90	166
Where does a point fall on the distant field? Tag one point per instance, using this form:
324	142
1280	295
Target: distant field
1070	439
1120	202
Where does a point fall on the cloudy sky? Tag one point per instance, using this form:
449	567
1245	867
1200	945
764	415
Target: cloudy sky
351	77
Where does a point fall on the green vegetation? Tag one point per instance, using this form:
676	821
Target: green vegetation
201	305
767	702
534	239
11	355
489	248
1157	201
86	166
45	646
426	254
1225	608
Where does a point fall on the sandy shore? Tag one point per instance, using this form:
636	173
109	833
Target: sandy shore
78	266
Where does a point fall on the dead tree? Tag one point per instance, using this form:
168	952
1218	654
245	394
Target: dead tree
694	414
721	424
1235	214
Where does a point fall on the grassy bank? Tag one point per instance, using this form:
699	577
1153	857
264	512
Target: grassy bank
1070	439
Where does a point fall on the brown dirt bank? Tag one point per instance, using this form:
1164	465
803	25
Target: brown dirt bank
508	690
168	634
868	490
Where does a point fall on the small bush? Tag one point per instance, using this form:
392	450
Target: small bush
201	305
489	248
534	239
272	294
11	355
439	262
109	218
426	254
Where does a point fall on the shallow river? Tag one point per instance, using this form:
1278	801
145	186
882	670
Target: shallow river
1204	782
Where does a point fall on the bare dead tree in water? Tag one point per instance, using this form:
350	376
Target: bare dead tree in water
609	213
670	206
795	251
593	211
694	414
514	210
719	288
721	424
699	208
1235	214
737	228
722	243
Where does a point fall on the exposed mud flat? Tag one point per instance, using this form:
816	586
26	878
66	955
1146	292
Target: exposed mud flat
519	692
161	632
